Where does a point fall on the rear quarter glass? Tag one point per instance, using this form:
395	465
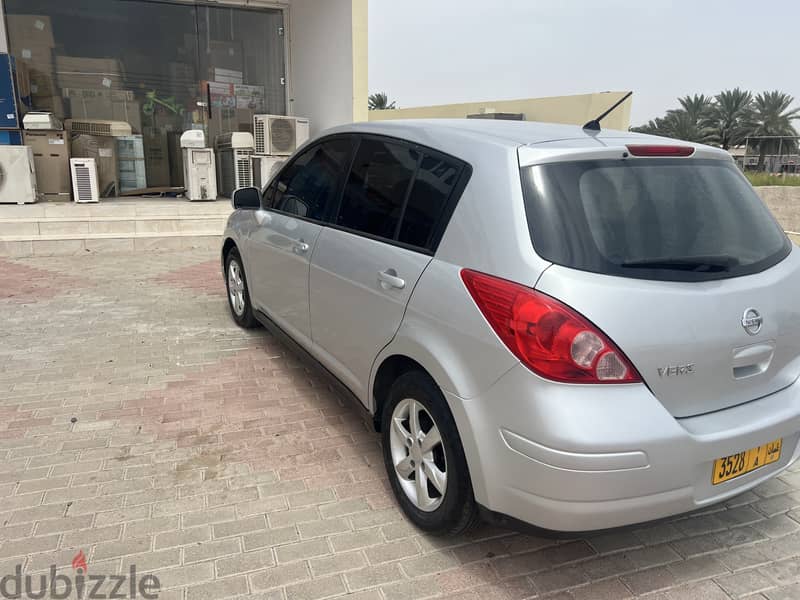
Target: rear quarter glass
673	219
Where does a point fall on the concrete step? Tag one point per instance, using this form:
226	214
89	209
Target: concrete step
13	229
118	225
73	244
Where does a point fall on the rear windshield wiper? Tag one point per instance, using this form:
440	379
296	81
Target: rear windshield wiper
701	264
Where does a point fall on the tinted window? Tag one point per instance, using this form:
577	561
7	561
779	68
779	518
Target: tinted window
377	187
309	186
669	219
432	188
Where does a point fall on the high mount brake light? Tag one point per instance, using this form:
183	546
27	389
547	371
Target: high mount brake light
550	338
656	151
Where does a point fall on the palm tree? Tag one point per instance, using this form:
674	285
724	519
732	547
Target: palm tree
696	107
730	117
380	101
772	117
679	124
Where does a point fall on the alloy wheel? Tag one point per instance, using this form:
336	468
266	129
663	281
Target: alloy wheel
418	455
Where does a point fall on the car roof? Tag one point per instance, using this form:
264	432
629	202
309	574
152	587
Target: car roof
512	133
450	135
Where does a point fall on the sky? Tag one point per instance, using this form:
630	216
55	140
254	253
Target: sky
424	52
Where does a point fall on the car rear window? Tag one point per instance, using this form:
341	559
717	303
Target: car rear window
661	219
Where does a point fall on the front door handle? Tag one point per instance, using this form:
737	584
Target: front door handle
300	247
389	279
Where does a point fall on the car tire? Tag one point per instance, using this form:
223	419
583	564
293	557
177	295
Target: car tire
238	291
443	506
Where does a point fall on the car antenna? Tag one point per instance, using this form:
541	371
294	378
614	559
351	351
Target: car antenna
594	124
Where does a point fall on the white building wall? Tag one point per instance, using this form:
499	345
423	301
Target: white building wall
323	79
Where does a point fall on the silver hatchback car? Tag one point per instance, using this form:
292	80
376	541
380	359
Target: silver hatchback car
571	328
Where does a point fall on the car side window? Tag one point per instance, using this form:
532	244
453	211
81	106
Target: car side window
433	186
376	190
309	186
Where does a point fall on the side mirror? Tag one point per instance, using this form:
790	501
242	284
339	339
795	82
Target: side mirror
247	198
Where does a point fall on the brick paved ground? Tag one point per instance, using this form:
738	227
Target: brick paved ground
209	456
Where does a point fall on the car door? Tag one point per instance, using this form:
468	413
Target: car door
296	204
366	264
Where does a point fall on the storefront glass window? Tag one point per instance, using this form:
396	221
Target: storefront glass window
154	65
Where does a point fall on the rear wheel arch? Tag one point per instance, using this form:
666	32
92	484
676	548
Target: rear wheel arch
227	246
388	372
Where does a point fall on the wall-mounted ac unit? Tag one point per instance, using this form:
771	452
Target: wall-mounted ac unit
199	174
98	127
276	135
17	175
234	165
84	180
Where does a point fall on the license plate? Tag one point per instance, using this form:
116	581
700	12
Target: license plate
732	466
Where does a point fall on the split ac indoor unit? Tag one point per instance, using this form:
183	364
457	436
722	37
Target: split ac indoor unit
199	174
98	127
264	167
277	135
234	165
84	180
17	175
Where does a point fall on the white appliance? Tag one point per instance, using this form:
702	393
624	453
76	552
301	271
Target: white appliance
276	135
84	180
99	127
234	167
199	174
193	138
264	167
17	175
33	121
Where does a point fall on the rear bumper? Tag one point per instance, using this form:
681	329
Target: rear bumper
579	458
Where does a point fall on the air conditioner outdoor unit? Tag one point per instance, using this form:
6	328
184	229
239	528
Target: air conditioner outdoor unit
234	165
84	180
17	175
276	135
41	120
264	167
98	127
199	174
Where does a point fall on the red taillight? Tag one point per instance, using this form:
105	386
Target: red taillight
550	338
653	150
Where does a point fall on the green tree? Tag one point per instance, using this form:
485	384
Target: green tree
772	117
380	101
730	117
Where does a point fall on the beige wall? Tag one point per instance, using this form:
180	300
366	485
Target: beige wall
784	202
360	62
575	110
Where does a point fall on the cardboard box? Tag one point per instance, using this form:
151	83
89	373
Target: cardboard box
99	108
42	82
33	30
96	73
104	150
53	104
51	158
226	55
156	157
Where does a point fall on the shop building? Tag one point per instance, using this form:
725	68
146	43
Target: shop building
168	66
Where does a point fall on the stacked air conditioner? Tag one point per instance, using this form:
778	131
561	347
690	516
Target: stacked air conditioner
276	138
234	161
85	186
199	171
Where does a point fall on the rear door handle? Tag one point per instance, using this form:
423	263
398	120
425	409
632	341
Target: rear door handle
300	247
389	279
